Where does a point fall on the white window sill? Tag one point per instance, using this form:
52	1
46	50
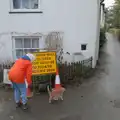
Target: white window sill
25	11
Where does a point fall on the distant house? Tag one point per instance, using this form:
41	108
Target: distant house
36	25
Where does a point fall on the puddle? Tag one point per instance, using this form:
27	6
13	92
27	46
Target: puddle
1	108
72	117
117	104
2	102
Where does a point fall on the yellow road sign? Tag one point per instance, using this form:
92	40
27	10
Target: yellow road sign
45	63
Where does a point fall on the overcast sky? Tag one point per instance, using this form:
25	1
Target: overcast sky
108	2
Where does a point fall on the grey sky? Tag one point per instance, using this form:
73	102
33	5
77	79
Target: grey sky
108	2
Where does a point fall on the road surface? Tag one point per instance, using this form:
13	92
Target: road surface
97	99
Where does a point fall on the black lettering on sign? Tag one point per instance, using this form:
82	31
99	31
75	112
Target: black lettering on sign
49	66
34	67
35	71
37	55
42	54
44	58
48	54
35	62
42	70
52	54
45	66
52	62
53	70
48	70
49	58
39	58
42	62
38	67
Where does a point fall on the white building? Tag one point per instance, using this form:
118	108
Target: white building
24	25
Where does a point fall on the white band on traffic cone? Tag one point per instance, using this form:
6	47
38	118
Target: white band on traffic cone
57	79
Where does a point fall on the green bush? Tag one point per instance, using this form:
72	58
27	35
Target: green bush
102	37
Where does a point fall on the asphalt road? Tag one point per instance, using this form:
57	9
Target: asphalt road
97	99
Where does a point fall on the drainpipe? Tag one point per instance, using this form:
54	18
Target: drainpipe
102	1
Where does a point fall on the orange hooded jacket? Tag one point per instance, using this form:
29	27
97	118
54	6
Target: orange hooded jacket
21	69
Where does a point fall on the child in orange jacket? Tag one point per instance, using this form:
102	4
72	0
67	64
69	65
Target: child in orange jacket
21	70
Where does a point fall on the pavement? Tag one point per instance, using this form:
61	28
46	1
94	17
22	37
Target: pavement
98	98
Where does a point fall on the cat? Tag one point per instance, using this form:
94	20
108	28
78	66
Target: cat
55	94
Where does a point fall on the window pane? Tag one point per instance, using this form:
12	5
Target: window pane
27	51
26	4
34	4
27	43
35	42
17	4
18	43
19	53
30	4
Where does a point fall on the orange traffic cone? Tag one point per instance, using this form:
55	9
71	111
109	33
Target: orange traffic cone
57	80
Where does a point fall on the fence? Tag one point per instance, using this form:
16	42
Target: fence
2	67
75	72
70	73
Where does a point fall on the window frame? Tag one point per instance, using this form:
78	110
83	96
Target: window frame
12	10
23	37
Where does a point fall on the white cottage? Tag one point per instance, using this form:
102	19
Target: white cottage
26	24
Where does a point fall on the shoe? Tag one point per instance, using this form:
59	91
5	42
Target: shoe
24	106
18	105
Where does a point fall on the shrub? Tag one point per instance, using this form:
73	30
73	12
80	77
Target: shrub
102	37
